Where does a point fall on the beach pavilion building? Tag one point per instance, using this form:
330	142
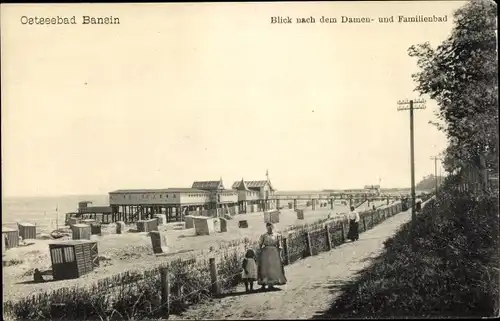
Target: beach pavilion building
130	205
254	196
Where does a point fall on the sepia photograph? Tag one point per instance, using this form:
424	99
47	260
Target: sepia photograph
250	160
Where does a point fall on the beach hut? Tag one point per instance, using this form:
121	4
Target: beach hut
272	216
189	219
95	229
11	237
203	225
74	258
159	242
300	214
223	225
290	205
147	225
120	227
275	216
73	220
81	232
243	224
152	225
27	231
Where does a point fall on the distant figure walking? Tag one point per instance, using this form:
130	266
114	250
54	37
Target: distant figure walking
271	271
353	234
249	274
418	205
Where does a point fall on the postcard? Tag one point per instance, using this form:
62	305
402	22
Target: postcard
249	160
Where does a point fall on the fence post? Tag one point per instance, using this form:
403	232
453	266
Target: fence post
309	245
180	294
328	238
285	250
343	233
214	277
364	223
165	291
373	224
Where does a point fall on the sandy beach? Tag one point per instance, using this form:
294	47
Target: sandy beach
133	251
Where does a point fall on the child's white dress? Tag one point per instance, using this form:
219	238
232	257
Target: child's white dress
251	267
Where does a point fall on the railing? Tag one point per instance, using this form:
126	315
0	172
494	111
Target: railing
300	197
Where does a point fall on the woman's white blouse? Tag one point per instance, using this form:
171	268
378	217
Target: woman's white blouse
270	240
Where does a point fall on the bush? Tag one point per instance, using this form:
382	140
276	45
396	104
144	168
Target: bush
12	262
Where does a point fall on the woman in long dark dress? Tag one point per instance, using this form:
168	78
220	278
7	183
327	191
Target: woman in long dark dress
271	271
353	234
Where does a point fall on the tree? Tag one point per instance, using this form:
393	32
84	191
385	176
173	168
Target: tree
461	75
428	182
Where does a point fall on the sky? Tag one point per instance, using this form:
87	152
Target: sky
183	92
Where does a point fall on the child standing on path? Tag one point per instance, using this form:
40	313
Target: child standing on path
249	274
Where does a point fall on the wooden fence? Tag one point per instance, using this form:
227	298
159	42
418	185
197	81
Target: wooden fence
320	238
474	176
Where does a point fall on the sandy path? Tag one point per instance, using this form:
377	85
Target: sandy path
310	281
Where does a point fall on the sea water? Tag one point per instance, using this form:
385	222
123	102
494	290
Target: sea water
45	212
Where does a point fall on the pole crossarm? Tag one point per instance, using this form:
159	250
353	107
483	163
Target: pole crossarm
406	104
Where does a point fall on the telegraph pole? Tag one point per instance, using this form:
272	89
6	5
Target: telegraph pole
411	105
435	158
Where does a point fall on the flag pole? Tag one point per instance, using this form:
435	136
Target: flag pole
57	217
